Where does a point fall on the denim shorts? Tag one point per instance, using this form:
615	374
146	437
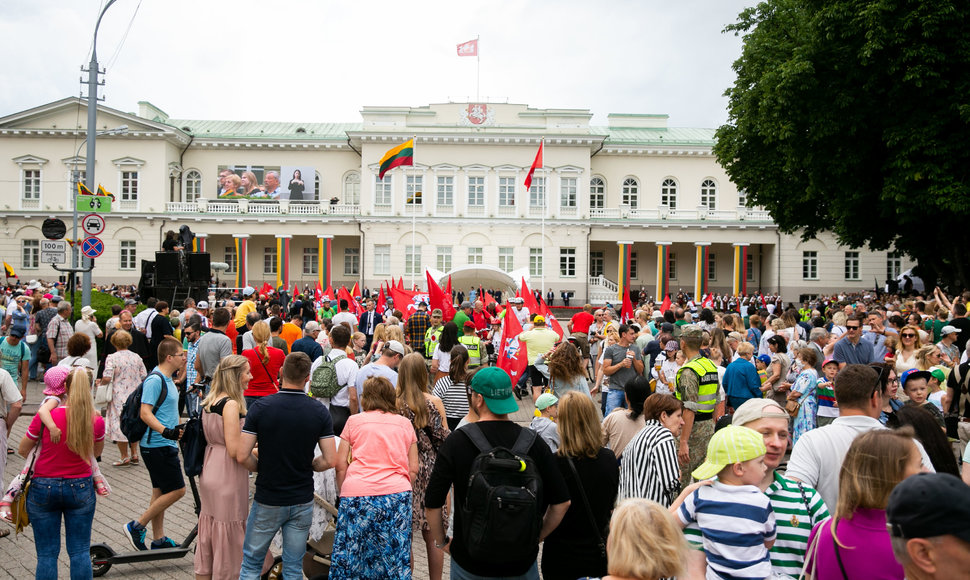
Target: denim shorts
164	467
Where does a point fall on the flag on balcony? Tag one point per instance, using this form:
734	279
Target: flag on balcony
8	271
403	154
535	164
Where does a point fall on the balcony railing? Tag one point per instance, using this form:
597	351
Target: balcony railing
507	211
476	211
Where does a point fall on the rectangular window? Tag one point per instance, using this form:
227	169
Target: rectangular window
894	265
597	263
412	260
535	261
128	258
310	261
567	190
269	260
129	186
413	190
382	260
475	256
446	190
742	197
506	191
810	265
31	254
597	193
31	184
567	262
633	265
537	192
476	191
711	266
443	258
382	190
351	261
230	258
749	267
506	259
672	265
77	176
852	266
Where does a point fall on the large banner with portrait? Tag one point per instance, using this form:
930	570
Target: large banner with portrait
267	182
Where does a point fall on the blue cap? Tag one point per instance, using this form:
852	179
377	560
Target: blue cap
765	359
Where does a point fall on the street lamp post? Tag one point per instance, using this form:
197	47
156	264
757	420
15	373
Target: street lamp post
93	73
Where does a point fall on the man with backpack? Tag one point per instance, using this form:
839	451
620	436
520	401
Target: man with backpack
509	494
332	379
159	447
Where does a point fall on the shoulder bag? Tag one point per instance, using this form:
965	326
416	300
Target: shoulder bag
268	374
600	542
18	489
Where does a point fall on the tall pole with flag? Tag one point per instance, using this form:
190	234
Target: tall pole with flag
470	48
537	164
400	156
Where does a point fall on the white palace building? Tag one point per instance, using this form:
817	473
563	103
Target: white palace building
635	185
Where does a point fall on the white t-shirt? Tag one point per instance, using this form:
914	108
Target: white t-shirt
342	317
443	358
9	393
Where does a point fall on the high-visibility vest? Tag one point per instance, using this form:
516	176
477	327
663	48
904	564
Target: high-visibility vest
431	340
473	345
707	391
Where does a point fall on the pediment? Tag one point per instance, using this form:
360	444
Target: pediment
128	161
29	160
70	115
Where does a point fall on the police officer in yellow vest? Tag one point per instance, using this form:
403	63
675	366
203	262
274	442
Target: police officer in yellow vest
472	344
697	387
433	334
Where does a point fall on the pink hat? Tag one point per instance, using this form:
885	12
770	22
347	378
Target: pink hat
54	379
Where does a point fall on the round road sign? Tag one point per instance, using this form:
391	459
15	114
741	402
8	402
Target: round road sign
92	224
92	247
53	229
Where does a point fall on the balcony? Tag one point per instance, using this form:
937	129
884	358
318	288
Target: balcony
507	211
281	208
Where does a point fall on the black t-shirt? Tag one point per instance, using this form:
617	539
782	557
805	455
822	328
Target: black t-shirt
452	467
964	325
288	426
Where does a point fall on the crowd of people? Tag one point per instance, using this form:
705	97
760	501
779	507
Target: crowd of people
740	437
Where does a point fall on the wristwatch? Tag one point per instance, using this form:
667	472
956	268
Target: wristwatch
443	544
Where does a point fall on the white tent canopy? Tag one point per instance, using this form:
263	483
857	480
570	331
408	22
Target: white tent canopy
475	275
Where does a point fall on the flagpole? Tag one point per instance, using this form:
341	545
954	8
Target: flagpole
414	215
545	192
478	68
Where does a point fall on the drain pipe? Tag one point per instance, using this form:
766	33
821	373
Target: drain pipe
778	267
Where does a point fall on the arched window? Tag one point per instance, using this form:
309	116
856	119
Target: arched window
631	192
191	185
668	193
709	194
352	189
597	193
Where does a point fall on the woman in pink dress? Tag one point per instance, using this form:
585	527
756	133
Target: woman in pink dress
125	371
224	483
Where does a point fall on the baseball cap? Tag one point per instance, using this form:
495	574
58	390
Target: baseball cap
948	329
672	345
765	359
54	380
545	401
132	302
495	386
248	291
938	374
465	304
202	305
395	346
469	324
730	445
691	331
658	314
927	505
754	409
913	374
667	327
437	312
828	361
55	298
16	331
539	319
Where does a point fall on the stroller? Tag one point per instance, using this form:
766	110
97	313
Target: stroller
316	561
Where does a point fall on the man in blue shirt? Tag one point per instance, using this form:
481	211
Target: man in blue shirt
851	349
159	447
308	344
741	380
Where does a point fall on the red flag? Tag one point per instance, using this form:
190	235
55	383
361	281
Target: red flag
665	305
356	291
449	293
400	283
266	289
488	299
763	303
626	310
329	294
296	290
528	297
318	292
381	300
469	48
511	355
708	301
535	164
403	301
551	321
438	299
344	294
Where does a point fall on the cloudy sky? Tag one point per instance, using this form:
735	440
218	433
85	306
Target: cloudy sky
320	60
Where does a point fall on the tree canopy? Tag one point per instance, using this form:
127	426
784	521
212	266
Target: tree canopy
853	116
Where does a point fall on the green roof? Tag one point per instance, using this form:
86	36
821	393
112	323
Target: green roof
656	136
265	129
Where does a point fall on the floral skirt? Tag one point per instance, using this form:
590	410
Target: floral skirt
373	538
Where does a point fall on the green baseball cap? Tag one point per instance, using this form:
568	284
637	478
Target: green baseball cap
495	386
730	445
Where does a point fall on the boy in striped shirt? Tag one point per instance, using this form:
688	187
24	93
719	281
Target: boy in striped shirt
734	516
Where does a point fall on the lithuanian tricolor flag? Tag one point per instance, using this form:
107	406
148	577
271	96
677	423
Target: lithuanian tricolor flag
403	154
8	271
83	189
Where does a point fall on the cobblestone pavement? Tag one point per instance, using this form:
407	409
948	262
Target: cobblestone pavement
131	490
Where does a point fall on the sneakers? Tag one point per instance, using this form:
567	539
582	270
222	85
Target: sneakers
164	543
136	535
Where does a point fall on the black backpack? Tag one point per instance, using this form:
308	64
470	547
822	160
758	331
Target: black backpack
500	514
131	424
193	444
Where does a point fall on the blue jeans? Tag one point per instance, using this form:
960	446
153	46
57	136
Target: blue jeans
263	523
458	573
33	357
614	399
47	500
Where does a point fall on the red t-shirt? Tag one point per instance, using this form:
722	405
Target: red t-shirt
232	334
581	321
263	383
55	459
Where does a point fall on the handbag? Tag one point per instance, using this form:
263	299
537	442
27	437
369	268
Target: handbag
810	563
19	488
104	393
600	542
792	407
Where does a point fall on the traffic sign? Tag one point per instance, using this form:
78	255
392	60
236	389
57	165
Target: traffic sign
93	203
92	247
53	228
92	224
53	251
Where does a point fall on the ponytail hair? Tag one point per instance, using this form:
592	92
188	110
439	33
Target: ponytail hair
80	414
261	335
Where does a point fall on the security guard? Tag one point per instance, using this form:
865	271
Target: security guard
697	387
433	335
472	344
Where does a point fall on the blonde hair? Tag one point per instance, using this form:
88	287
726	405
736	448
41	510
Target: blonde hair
579	426
80	412
645	542
922	360
380	333
839	318
916	342
394	332
226	383
121	339
412	384
261	335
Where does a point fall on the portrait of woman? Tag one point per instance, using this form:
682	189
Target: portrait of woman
296	186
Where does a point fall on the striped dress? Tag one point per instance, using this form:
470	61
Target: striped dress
454	396
797	509
649	468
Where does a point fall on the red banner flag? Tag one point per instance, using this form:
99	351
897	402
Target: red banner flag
708	301
511	354
405	300
400	283
665	305
381	300
296	290
330	295
449	293
530	299
344	294
266	289
551	320
626	310
469	48
535	164
438	299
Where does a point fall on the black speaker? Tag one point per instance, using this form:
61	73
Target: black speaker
167	267
199	270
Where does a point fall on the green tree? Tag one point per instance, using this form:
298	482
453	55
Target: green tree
851	116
